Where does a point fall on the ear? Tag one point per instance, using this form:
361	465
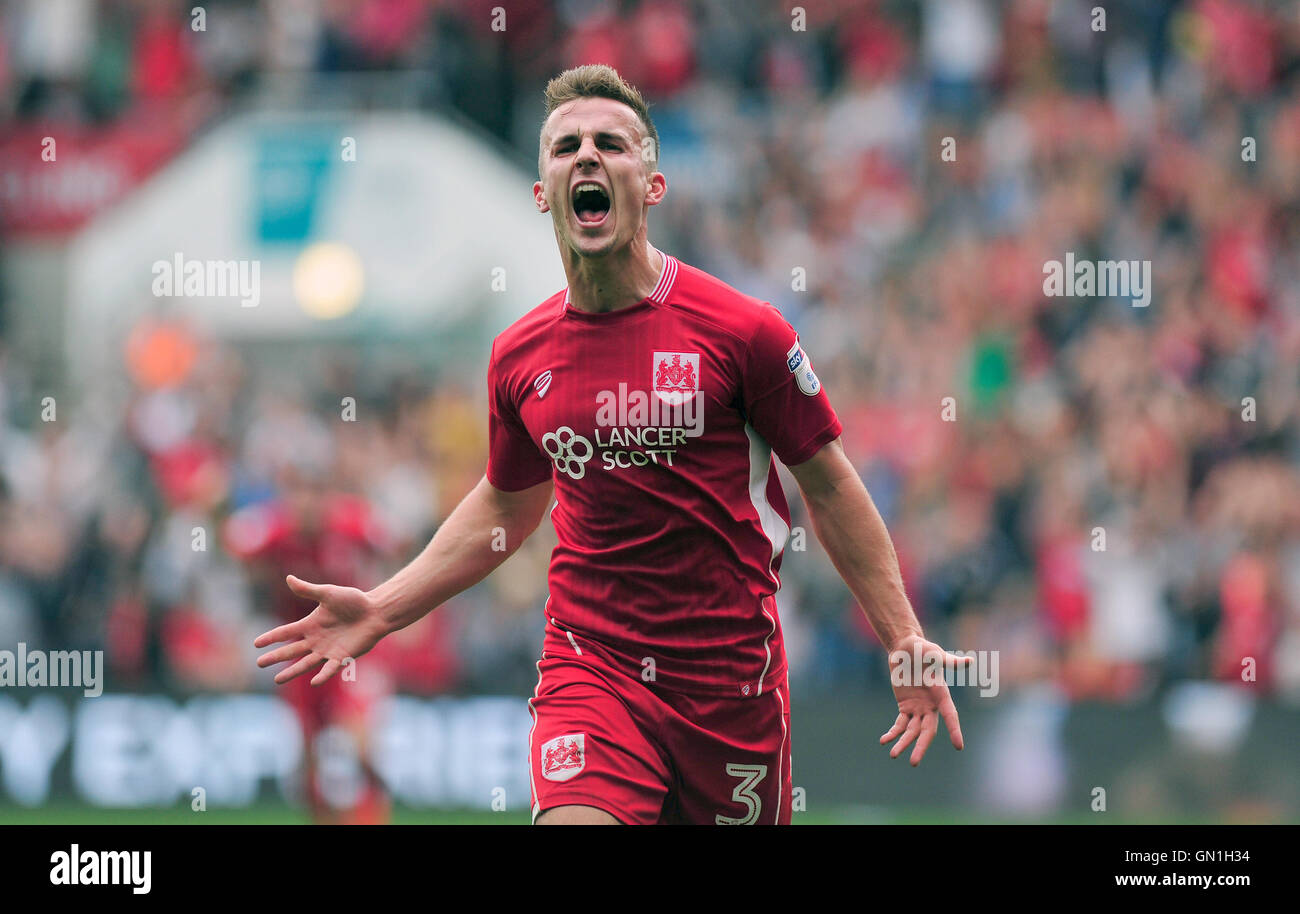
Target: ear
539	197
656	187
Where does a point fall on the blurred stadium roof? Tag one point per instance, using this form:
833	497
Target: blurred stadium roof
433	214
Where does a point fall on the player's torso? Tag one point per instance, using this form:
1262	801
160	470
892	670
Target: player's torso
647	404
668	518
653	460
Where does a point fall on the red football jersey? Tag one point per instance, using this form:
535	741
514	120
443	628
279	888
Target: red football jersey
658	423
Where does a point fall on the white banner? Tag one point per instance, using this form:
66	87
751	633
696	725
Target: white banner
150	750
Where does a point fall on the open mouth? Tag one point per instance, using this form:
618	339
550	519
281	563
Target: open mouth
590	203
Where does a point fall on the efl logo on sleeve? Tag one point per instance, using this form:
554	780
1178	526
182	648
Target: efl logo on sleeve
801	367
564	757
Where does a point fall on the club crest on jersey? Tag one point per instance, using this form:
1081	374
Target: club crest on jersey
675	376
564	757
801	367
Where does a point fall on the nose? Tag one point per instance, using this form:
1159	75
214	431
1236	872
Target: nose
586	156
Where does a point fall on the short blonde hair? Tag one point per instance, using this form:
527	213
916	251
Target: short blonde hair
599	81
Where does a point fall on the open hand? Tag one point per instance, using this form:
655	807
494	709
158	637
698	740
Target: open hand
344	625
922	693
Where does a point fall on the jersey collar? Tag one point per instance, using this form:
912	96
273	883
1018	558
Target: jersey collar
659	294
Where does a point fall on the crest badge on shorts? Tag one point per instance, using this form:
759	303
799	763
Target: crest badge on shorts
801	367
564	757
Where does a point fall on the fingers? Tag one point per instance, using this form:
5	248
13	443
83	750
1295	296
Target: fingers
913	729
929	727
289	632
899	725
281	654
311	661
305	589
331	667
948	711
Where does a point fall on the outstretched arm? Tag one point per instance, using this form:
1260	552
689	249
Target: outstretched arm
850	528
349	622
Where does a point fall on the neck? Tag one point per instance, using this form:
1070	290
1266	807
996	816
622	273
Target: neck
617	280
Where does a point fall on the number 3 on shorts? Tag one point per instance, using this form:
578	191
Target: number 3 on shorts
751	776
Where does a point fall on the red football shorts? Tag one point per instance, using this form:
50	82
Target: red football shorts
647	755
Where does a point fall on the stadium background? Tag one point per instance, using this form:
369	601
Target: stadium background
804	167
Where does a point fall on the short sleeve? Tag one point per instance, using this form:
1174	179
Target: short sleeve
514	460
781	395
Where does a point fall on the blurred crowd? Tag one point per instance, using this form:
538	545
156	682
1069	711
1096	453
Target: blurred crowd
1110	498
